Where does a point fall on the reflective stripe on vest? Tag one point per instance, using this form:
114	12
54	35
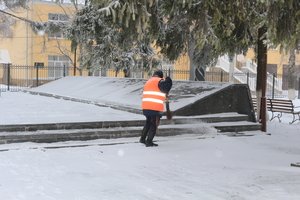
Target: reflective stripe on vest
153	98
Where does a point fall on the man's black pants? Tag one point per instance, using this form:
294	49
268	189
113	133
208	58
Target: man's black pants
151	125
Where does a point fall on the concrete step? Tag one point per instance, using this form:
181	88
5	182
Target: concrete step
88	134
213	118
47	136
237	126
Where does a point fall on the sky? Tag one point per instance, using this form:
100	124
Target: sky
191	166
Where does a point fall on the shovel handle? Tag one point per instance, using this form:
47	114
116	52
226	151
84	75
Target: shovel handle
168	112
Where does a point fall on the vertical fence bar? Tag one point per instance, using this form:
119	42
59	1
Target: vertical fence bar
8	77
75	60
221	76
299	88
37	76
64	72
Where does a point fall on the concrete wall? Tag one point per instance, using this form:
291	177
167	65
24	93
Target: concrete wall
234	98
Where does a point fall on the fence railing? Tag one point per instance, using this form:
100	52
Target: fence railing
15	78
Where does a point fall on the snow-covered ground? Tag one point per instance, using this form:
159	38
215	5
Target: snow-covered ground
23	108
189	167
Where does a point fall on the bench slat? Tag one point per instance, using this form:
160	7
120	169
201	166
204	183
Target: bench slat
282	110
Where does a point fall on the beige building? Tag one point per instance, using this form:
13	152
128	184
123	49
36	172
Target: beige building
277	61
27	48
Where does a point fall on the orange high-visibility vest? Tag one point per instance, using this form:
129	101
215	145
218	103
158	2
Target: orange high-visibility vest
153	98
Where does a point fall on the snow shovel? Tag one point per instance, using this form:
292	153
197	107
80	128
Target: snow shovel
168	112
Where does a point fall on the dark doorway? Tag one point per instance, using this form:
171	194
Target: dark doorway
285	78
272	69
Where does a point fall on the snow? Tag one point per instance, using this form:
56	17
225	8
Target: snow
125	92
194	166
23	108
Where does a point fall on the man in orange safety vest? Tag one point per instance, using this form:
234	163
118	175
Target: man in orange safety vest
154	96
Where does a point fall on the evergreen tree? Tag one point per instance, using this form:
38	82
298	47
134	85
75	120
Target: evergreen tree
207	29
285	31
5	20
107	39
14	3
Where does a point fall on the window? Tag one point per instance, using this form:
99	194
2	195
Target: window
57	17
58	66
52	16
58	34
58	1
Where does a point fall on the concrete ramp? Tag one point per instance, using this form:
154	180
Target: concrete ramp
188	98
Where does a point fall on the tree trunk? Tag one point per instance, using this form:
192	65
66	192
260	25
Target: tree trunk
126	72
193	64
231	68
75	61
261	77
291	77
197	72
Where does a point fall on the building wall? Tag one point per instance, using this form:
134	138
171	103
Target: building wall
44	46
181	65
26	47
18	44
275	58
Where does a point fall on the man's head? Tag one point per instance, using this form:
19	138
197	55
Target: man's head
158	73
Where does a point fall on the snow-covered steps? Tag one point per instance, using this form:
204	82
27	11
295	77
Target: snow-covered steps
201	129
87	134
200	125
213	118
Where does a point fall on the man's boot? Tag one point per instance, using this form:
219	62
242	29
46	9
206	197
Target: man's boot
143	136
142	140
150	144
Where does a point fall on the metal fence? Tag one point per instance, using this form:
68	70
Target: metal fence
15	78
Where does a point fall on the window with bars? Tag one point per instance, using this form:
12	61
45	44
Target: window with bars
58	66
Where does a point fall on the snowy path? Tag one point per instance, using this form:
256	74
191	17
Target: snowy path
182	167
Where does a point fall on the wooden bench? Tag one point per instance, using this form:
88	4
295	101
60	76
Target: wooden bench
254	102
279	106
